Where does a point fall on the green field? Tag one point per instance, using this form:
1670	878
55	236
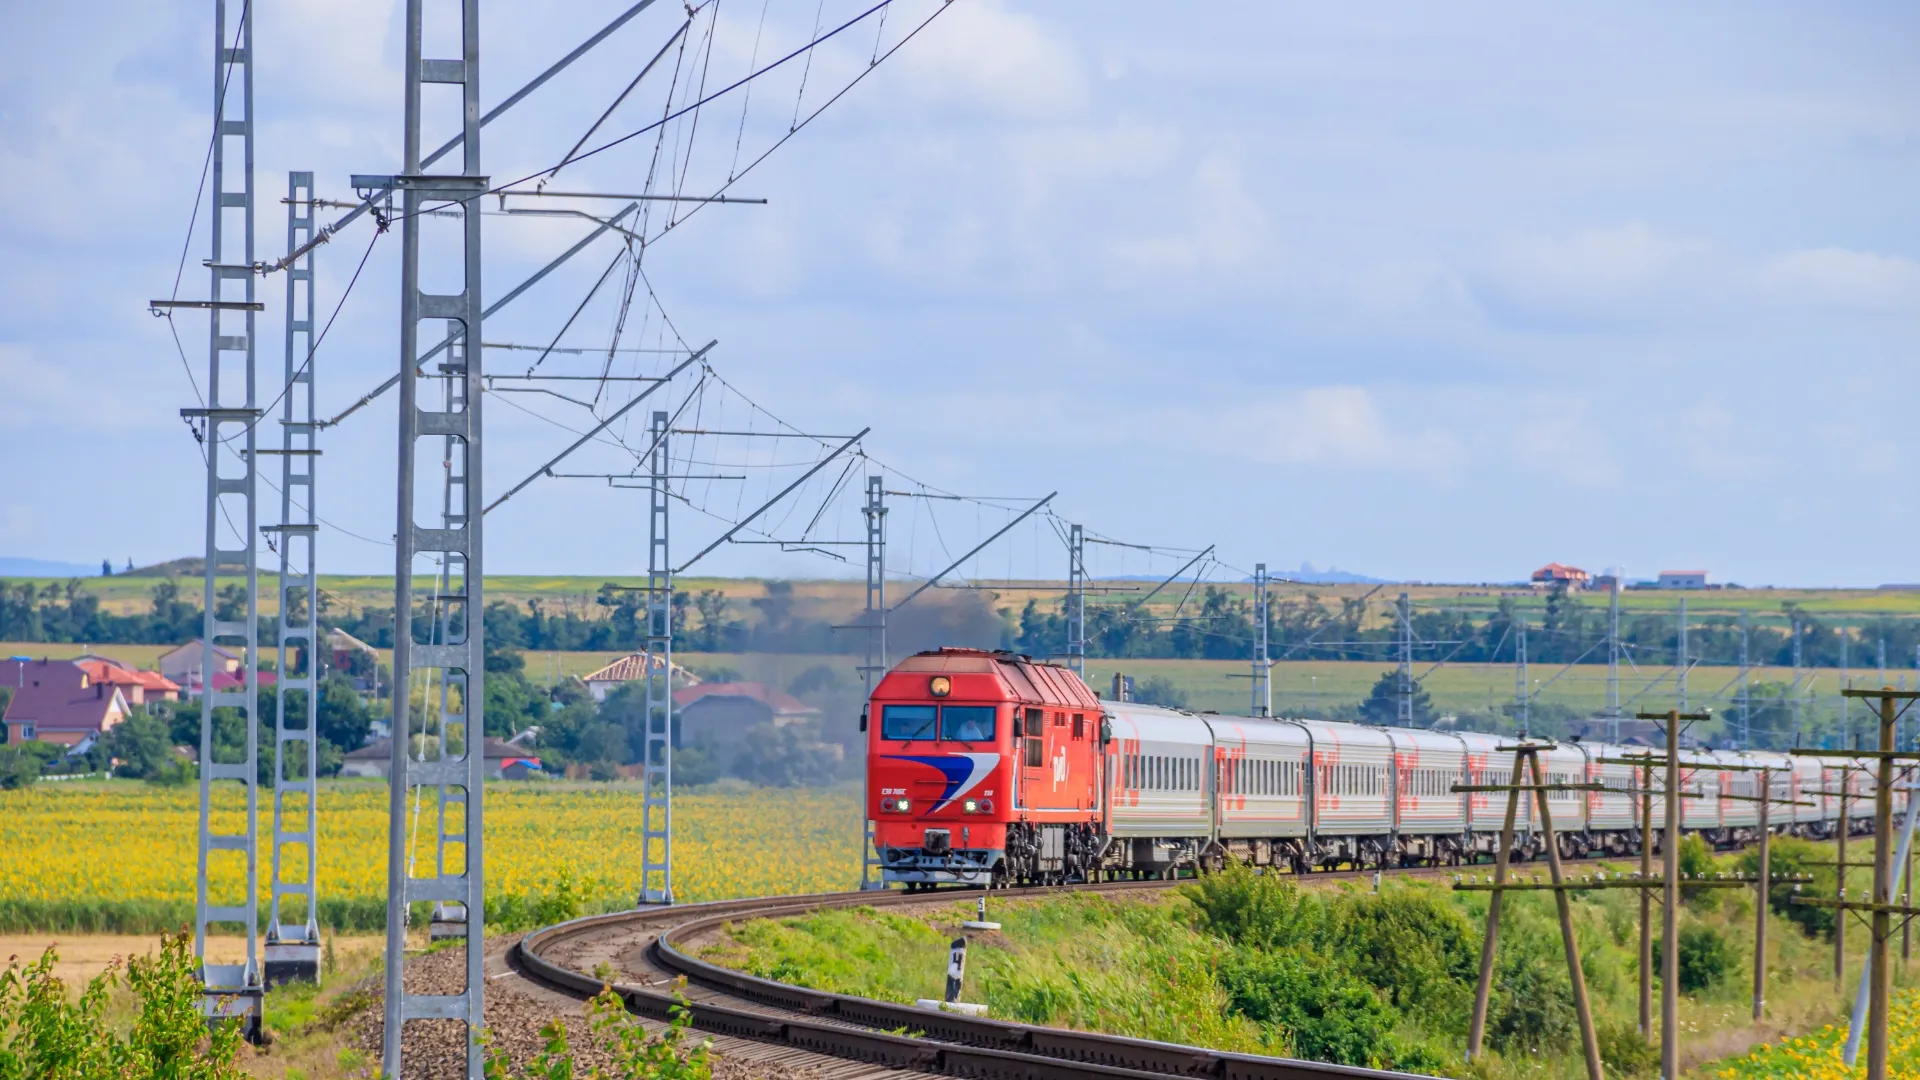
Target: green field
837	598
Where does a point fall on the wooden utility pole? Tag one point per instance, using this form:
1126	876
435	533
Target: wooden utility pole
1526	756
1670	892
1477	1029
1880	908
1646	901
1564	904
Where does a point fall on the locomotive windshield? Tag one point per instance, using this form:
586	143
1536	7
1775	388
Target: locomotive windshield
958	723
966	723
907	722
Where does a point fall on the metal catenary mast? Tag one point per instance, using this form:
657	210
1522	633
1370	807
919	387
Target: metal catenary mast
458	884
1522	699
1077	600
1262	667
229	419
656	804
1406	662
293	947
1613	659
875	621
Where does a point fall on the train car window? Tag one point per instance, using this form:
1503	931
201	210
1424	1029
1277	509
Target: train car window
907	722
966	723
1036	752
1036	721
1079	725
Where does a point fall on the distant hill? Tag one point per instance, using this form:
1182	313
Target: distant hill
11	566
1329	576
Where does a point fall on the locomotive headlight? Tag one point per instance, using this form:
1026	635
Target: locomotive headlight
940	686
900	806
970	806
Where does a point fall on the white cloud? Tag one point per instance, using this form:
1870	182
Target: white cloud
983	56
1631	271
1332	426
1225	228
1856	281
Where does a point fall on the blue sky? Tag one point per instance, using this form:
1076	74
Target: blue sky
1434	293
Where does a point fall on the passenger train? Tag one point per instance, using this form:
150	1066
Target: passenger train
992	768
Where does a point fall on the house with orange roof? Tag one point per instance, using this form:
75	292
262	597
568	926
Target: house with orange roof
57	701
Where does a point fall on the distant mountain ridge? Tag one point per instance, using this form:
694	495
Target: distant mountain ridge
17	566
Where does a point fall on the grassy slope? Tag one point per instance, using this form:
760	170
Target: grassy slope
1142	968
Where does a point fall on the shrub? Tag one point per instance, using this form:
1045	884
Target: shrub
1627	1053
1327	1014
1706	958
1413	946
1246	908
1532	1009
44	1034
1696	860
1791	856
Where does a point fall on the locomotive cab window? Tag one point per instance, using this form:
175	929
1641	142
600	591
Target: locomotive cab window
907	722
966	723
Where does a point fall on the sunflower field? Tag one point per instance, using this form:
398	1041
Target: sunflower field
119	856
1817	1056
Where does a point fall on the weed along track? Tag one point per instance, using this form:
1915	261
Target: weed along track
643	953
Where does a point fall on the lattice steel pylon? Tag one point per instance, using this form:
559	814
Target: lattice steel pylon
1404	610
458	885
876	614
1077	600
1262	666
293	948
656	801
876	627
230	417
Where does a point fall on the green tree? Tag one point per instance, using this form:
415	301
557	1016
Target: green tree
1382	705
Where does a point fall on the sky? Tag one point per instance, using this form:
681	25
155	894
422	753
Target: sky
1427	292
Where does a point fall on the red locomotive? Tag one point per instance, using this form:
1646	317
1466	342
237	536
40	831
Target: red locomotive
988	768
982	767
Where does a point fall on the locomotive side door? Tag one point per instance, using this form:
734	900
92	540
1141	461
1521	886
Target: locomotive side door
1037	752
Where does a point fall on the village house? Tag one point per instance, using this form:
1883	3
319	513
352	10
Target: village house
139	687
56	701
632	668
182	666
1559	574
717	716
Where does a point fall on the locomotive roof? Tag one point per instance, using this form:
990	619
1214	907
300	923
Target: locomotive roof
1025	678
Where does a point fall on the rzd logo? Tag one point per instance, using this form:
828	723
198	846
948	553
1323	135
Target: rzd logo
1060	767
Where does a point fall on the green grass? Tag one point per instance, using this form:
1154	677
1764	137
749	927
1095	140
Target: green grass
1162	968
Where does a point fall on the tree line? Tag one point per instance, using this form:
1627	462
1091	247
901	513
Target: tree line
1215	624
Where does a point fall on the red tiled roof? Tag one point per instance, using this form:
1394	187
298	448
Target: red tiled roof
238	680
629	668
107	670
782	704
57	695
1554	571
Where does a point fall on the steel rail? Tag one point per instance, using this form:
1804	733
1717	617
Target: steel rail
862	1029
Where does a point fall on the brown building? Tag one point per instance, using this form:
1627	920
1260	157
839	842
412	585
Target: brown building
717	716
56	701
1554	574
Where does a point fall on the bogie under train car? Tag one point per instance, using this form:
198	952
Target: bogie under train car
992	768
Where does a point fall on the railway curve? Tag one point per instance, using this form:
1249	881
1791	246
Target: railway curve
640	955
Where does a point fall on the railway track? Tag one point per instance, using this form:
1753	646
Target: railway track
641	954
